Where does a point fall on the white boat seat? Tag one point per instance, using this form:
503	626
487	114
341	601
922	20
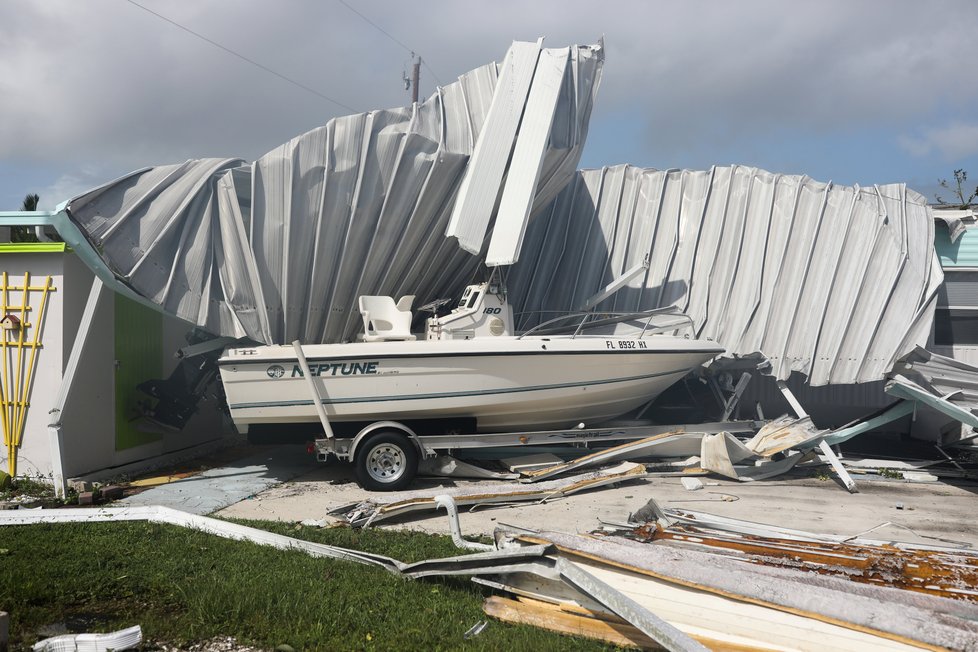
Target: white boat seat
385	320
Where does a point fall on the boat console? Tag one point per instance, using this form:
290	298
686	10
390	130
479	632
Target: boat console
481	312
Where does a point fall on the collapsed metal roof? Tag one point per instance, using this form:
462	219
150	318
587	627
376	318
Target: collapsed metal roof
280	249
949	386
835	282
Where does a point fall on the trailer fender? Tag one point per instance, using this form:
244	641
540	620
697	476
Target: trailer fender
388	425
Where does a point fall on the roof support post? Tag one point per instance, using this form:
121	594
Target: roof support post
823	446
67	381
615	285
734	399
317	400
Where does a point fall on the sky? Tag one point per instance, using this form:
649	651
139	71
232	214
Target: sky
854	92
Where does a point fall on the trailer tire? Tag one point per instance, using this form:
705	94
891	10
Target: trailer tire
386	461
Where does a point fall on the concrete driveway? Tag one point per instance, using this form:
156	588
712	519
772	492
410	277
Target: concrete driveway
916	510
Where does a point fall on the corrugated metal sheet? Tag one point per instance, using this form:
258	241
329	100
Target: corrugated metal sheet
484	175
945	384
528	158
834	282
280	249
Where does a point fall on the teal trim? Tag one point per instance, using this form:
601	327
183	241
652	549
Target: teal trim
901	409
27	218
913	393
74	238
480	392
963	252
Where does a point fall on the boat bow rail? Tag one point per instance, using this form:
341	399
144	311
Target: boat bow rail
590	320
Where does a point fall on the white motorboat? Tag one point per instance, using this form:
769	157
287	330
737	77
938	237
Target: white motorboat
470	369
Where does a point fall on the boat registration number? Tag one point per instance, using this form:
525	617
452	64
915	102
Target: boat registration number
626	344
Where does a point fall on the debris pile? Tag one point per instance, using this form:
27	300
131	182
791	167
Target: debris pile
680	580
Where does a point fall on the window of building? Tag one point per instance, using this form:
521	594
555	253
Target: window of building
955	327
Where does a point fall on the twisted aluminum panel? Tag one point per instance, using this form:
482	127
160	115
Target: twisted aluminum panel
280	249
835	282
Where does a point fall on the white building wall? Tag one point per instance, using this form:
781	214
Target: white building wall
33	457
89	438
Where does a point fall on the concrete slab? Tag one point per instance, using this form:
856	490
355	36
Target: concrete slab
941	509
231	483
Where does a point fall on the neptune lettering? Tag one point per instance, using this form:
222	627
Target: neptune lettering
338	369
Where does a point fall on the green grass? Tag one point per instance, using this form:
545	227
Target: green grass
184	586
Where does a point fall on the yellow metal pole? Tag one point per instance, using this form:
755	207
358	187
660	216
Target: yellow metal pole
19	371
7	439
35	344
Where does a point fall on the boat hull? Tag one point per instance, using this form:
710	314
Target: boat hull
505	384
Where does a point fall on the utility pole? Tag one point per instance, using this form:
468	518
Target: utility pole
415	80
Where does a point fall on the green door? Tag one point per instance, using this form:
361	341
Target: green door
139	357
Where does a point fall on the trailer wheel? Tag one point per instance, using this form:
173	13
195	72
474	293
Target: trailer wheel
386	461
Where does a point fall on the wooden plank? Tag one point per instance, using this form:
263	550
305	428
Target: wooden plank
579	621
540	614
681	601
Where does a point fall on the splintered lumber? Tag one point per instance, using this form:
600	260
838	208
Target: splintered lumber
934	572
567	617
777	606
548	616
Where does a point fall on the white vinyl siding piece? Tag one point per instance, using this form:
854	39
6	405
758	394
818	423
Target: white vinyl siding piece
484	175
528	156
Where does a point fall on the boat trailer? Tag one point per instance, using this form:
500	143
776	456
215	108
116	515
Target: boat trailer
385	454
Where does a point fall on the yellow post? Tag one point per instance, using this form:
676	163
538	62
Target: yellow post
17	380
3	351
35	345
19	371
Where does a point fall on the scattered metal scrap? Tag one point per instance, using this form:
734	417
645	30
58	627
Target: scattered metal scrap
390	505
945	384
690	518
678	592
785	433
947	574
720	453
123	639
670	444
724	602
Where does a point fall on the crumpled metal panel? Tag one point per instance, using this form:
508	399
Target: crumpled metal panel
835	282
956	219
280	249
484	175
945	384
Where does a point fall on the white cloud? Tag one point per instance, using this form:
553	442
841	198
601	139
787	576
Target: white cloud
106	82
953	142
68	186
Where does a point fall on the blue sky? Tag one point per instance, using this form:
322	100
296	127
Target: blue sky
854	92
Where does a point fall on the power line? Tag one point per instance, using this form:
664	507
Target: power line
244	58
388	35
